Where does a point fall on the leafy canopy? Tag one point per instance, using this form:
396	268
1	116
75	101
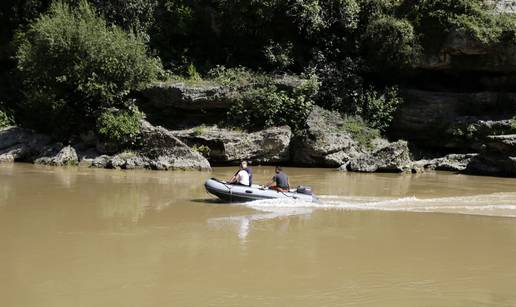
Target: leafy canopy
74	65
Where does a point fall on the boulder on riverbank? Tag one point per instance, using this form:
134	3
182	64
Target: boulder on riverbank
166	152
452	163
58	156
497	158
325	142
395	157
493	165
19	144
161	150
325	145
229	147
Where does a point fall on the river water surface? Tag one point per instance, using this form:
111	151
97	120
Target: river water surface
83	237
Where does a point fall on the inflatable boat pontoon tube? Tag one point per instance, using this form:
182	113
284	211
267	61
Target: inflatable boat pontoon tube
239	193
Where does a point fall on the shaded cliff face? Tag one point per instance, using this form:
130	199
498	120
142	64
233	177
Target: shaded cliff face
453	121
458	96
462	99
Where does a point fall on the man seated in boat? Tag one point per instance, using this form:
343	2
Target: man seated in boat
279	181
242	176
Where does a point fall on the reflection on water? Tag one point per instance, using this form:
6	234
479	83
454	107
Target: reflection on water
81	237
126	205
263	213
5	191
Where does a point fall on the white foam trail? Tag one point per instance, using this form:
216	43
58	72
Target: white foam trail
498	204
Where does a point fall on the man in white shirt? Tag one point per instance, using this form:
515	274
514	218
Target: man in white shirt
242	176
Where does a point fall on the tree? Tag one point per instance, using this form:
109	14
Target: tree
131	15
390	44
74	66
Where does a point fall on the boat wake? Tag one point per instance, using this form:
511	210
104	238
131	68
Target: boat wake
498	204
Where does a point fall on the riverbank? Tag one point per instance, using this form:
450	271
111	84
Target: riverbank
328	142
441	131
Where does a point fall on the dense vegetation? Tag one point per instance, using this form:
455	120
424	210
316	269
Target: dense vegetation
74	67
76	62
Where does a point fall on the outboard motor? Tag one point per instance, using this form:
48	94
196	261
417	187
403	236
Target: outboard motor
304	190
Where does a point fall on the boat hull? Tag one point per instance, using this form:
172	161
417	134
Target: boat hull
239	193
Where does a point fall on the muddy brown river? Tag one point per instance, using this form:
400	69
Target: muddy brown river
83	237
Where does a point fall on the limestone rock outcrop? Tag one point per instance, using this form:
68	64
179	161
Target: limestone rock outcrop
497	158
224	146
19	144
166	152
58	156
326	142
453	121
452	163
395	157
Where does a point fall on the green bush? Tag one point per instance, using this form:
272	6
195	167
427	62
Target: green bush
340	83
279	55
390	44
74	65
120	127
131	15
192	73
435	19
5	119
265	105
202	149
360	131
199	130
378	108
235	77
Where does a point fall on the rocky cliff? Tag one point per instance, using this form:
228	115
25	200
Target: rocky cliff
462	100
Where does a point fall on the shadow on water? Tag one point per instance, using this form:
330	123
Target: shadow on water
208	201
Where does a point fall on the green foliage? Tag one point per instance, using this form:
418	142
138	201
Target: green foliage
513	122
13	15
192	72
127	154
464	132
199	130
202	149
390	44
132	15
234	77
378	108
74	65
120	127
360	130
340	83
314	16
265	105
474	18
279	55
5	119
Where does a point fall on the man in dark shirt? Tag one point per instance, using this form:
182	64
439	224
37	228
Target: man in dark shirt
279	181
